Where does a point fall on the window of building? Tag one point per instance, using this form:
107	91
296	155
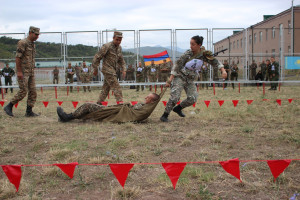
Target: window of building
280	29
254	38
237	44
260	36
250	39
230	46
289	50
290	26
273	52
266	34
273	32
241	43
233	45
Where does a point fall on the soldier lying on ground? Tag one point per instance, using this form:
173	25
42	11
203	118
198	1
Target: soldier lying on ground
114	113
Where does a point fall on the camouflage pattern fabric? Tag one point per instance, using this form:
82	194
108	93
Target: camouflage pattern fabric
140	77
85	77
130	74
26	52
70	77
165	70
153	69
26	85
111	82
112	58
55	76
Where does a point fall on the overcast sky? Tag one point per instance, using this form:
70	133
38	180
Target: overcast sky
89	15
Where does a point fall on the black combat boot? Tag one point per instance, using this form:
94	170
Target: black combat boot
178	110
164	117
64	117
8	109
29	112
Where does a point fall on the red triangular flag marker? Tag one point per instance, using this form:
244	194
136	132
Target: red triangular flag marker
232	167
75	103
165	103
134	102
2	103
59	102
207	103
104	103
221	102
16	105
278	101
194	105
121	171
290	100
45	103
14	174
120	102
235	102
249	102
278	166
174	170
68	169
265	99
178	102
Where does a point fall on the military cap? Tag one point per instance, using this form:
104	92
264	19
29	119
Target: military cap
35	30
118	34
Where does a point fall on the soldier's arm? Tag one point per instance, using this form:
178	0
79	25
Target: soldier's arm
121	63
99	55
19	54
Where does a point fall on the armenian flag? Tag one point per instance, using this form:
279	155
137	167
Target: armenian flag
158	58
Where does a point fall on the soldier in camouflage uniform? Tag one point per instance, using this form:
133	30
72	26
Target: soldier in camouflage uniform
253	67
78	72
8	73
234	74
88	108
55	73
140	76
263	69
85	76
0	78
274	73
112	56
70	71
130	73
183	75
25	64
152	73
165	70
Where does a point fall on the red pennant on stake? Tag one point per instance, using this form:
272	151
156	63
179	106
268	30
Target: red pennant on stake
14	174
278	101
59	102
120	102
194	105
178	102
249	102
2	103
45	103
165	103
104	103
121	171
221	102
278	166
134	102
235	102
207	103
68	169
290	100
75	103
232	167
174	170
16	105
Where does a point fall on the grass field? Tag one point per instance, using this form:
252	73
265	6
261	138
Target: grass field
262	130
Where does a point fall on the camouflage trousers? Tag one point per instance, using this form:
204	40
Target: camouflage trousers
140	79
55	79
110	82
130	76
8	81
71	79
27	85
85	109
164	77
177	86
86	79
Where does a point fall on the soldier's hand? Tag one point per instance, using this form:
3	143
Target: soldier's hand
224	75
20	75
168	84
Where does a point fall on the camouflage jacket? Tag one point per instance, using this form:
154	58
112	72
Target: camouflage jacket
26	52
55	72
140	71
85	72
7	72
68	70
179	68
274	68
165	67
112	59
153	70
